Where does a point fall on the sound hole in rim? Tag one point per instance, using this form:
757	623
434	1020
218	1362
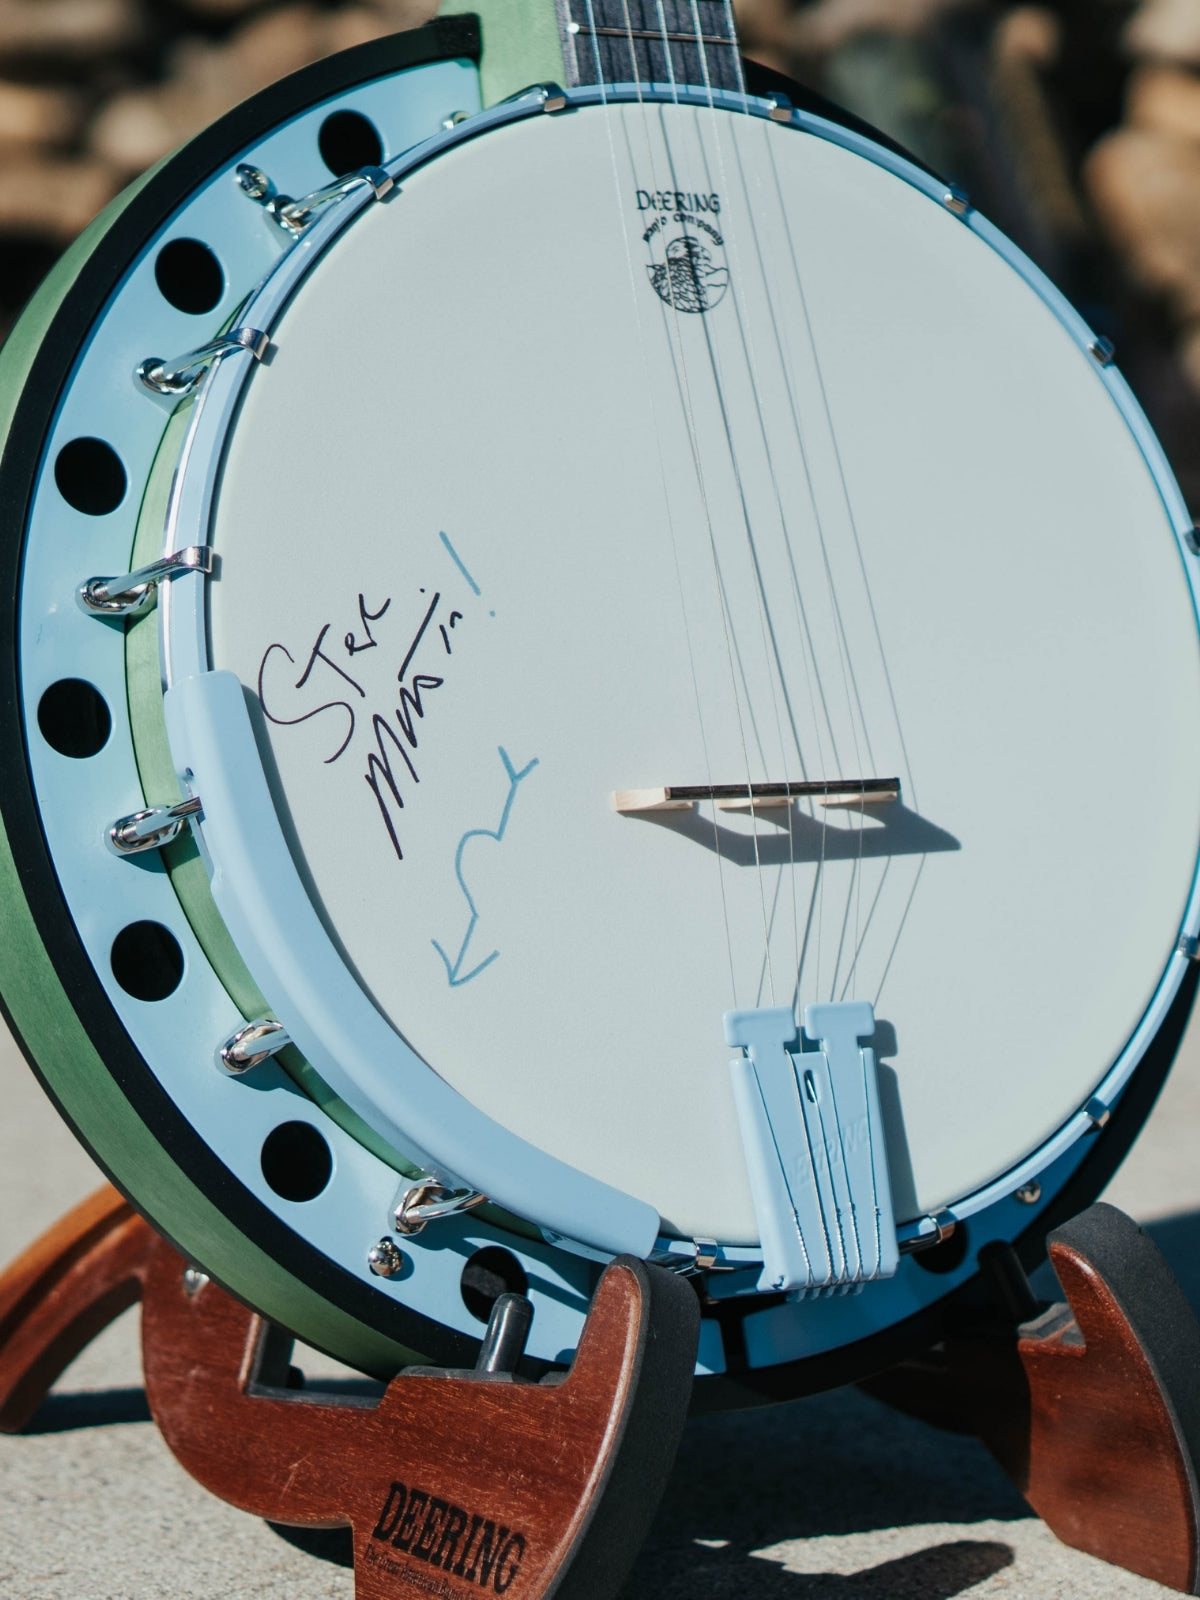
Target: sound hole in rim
189	276
490	1273
348	141
74	719
147	960
90	476
296	1161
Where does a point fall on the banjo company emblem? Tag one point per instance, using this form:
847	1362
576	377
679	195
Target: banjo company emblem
473	1549
692	275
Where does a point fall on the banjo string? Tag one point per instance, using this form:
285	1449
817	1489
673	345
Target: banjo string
649	390
678	347
844	651
856	542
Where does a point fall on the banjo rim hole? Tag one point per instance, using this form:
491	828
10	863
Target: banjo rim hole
296	1161
488	1274
348	140
947	1256
90	476
74	718
189	276
147	960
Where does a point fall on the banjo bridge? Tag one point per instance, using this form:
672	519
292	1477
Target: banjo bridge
847	793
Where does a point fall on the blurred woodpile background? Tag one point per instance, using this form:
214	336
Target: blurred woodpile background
1075	125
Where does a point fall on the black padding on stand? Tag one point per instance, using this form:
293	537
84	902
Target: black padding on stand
1148	1292
642	1458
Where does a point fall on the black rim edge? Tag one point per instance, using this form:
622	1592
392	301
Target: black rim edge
445	39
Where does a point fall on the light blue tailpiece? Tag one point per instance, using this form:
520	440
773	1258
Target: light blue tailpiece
813	1137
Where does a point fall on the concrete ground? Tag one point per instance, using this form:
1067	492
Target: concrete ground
834	1498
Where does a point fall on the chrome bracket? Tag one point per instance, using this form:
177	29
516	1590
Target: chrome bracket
552	96
1102	351
150	829
251	1044
428	1201
956	200
180	376
135	591
813	1135
780	108
293	216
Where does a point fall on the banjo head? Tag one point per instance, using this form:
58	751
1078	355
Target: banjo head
643	446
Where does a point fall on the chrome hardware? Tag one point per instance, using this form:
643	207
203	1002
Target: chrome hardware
1029	1193
679	1256
453	120
1192	539
1103	350
553	97
956	200
780	108
707	1251
429	1201
193	1281
1098	1112
253	181
251	1044
295	215
151	829
926	1232
1189	945
386	1259
135	591
180	377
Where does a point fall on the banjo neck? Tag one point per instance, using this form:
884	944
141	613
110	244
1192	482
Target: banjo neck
650	41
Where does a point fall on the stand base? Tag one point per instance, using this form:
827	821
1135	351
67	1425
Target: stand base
1093	1407
477	1480
454	1479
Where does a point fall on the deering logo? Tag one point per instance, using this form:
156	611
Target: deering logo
469	1547
691	274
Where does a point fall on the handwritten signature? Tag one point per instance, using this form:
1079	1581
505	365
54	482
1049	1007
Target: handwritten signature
394	735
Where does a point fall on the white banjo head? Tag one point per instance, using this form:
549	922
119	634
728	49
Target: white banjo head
503	530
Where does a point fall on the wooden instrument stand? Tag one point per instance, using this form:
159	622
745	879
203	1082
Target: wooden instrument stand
455	1482
467	1481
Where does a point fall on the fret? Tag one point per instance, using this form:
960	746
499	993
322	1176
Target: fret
650	41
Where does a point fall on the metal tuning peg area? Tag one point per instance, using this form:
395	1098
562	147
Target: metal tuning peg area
428	1201
132	592
251	1044
293	216
179	377
151	829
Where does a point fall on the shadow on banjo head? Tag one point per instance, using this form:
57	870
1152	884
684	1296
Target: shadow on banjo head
892	831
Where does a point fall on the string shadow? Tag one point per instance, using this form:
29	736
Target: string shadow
891	830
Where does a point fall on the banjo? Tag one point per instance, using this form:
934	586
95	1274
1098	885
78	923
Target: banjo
593	668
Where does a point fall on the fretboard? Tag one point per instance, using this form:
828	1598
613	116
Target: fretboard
650	41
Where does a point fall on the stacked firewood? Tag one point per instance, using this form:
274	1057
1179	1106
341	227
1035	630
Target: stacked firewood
1144	177
94	91
1074	123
